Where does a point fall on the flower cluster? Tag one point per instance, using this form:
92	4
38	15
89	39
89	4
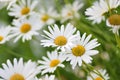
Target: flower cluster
21	71
67	44
28	19
105	10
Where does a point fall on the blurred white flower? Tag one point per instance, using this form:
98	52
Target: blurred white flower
98	77
4	34
51	63
99	8
49	16
46	77
114	22
10	3
7	3
82	50
18	70
26	28
45	4
61	38
70	11
23	8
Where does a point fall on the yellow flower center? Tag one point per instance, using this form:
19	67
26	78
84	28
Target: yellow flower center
114	19
1	38
69	14
98	78
25	28
17	77
79	50
45	18
54	62
60	40
25	10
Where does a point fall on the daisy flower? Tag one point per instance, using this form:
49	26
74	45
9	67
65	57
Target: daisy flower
114	22
53	61
7	3
46	77
99	8
47	17
25	28
18	70
10	3
4	34
82	50
23	8
70	11
97	77
61	38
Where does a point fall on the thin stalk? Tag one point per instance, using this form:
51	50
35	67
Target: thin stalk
88	72
92	68
117	40
58	73
98	73
110	12
89	66
92	77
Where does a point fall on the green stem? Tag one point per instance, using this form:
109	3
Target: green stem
98	73
92	77
92	68
117	40
108	7
88	72
58	73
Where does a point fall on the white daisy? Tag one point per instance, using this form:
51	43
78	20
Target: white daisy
25	28
70	11
47	17
82	50
18	70
7	3
10	3
53	61
46	77
4	34
23	8
99	8
61	38
114	22
46	4
97	77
